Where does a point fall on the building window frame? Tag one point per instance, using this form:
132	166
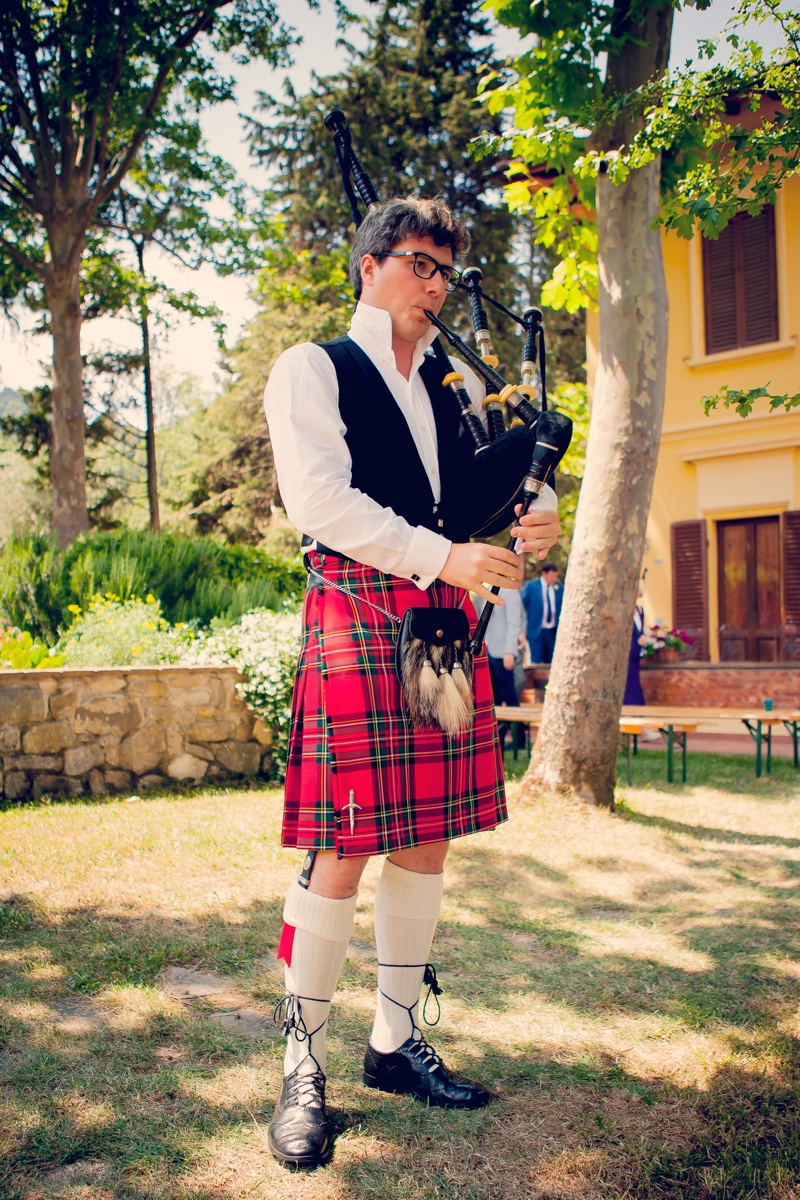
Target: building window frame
698	357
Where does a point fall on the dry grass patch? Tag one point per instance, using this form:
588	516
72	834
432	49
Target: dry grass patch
627	984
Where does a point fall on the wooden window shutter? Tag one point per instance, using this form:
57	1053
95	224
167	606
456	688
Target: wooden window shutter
740	283
690	584
719	292
791	567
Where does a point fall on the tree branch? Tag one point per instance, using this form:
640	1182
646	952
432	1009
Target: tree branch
120	168
22	260
45	144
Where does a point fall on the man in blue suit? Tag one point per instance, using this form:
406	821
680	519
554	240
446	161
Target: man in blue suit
542	599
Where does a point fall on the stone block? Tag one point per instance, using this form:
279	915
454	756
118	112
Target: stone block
140	752
108	739
261	733
199	751
191	697
64	704
97	784
152	689
244	728
174	741
81	759
239	758
48	738
36	762
103	683
118	781
148	782
17	784
107	714
208	712
21	705
186	766
266	762
215	772
9	739
55	785
210	731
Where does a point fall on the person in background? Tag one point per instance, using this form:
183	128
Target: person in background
502	646
541	599
633	684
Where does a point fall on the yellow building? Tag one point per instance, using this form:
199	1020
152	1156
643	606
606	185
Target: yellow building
723	545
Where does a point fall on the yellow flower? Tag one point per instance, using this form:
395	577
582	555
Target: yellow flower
136	650
150	625
150	598
74	608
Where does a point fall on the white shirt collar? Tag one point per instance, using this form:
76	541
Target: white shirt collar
371	328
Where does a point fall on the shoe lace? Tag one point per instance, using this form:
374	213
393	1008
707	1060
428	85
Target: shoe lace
426	1055
306	1089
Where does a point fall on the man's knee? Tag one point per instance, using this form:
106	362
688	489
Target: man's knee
425	860
336	878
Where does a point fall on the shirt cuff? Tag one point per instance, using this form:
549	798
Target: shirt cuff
425	558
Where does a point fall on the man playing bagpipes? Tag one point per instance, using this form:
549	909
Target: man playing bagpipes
366	443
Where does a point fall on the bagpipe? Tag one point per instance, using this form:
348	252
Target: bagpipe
512	464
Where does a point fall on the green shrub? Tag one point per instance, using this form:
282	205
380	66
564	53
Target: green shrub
112	632
265	647
19	652
30	584
195	578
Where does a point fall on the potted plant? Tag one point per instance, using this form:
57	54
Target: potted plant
662	644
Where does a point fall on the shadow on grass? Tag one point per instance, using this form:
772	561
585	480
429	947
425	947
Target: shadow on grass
704	832
102	1106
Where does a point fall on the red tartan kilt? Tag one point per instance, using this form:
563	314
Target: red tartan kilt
350	730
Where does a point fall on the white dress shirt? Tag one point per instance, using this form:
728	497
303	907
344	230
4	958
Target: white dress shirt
314	465
549	605
503	630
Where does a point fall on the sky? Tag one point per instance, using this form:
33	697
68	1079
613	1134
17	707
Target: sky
190	348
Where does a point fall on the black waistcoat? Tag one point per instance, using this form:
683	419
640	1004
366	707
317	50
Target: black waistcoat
386	465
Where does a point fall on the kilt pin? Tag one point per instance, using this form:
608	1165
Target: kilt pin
360	778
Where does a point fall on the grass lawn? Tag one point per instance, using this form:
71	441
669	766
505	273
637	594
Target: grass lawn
627	984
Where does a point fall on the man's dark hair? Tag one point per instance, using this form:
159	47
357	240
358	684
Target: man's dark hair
548	566
391	223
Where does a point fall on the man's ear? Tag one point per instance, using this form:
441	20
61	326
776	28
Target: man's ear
368	266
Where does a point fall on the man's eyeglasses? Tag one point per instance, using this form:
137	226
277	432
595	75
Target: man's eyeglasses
426	267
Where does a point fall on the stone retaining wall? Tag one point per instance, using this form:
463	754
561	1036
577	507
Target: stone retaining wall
119	729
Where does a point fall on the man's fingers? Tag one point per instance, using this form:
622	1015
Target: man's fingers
480	589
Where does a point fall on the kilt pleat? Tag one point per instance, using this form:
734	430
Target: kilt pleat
352	748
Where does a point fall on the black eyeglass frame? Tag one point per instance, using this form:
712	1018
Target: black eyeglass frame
450	284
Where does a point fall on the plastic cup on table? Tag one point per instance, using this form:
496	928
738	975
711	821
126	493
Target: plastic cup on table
767	706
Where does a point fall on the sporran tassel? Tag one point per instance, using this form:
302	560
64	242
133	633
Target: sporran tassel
463	682
453	713
429	683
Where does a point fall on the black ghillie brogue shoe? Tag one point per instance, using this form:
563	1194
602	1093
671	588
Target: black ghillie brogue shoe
416	1069
299	1135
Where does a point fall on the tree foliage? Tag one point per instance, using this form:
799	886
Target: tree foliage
726	135
82	87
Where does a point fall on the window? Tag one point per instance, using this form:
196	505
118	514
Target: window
740	291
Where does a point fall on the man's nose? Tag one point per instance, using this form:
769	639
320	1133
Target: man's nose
435	286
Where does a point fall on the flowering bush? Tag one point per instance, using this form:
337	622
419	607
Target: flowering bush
112	632
19	652
264	646
658	636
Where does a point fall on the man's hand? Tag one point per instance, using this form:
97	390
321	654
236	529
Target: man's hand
508	662
539	529
478	567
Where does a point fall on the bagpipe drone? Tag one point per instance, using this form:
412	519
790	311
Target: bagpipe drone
510	465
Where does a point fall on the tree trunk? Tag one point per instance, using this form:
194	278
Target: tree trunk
67	453
150	425
576	749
